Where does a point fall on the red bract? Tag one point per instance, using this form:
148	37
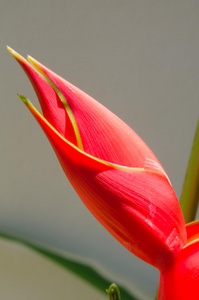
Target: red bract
113	171
181	279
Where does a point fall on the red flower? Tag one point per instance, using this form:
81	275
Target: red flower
180	280
113	171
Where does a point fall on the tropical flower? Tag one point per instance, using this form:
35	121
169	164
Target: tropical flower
112	170
180	280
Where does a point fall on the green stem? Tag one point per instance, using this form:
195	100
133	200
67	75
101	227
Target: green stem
113	292
190	192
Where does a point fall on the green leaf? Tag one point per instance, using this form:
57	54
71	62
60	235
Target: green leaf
190	192
82	270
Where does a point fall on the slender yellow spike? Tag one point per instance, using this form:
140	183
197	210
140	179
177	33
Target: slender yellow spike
16	55
35	64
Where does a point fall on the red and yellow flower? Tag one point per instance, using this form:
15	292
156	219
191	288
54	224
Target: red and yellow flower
116	175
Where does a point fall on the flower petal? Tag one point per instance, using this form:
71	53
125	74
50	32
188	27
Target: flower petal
141	211
103	134
181	279
113	171
64	149
138	207
53	108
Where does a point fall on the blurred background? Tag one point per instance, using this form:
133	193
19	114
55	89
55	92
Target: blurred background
138	58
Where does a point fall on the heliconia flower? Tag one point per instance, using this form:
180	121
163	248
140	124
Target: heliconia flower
180	280
112	170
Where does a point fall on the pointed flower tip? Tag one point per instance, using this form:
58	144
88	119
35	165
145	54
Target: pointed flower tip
16	55
31	59
9	48
13	52
30	106
24	99
35	63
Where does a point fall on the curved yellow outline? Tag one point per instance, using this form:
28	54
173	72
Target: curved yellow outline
35	111
32	63
62	98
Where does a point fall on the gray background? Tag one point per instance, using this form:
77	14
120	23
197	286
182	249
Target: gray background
138	58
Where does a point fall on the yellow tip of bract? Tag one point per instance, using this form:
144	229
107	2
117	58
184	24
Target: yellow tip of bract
31	59
24	99
10	49
13	52
16	55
